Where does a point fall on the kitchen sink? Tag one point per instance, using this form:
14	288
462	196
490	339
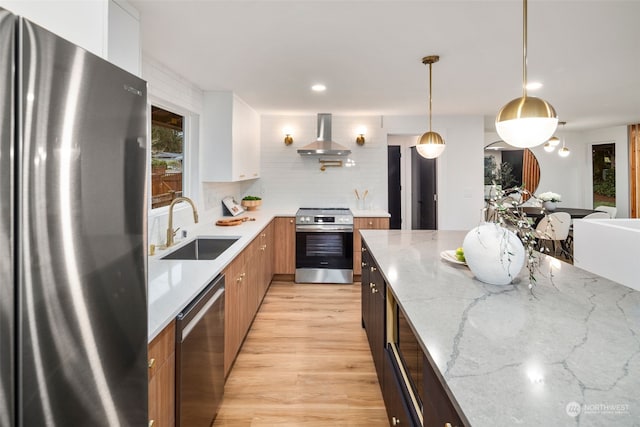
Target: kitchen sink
202	248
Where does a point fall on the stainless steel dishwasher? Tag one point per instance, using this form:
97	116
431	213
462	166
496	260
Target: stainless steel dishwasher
200	357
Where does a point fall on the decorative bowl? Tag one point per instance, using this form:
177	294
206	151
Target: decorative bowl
251	205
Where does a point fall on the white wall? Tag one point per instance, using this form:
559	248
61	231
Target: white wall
290	181
459	169
619	136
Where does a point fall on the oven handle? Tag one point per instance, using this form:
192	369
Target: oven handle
323	228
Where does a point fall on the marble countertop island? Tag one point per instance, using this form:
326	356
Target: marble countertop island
566	353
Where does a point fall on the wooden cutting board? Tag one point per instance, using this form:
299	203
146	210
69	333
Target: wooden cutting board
228	222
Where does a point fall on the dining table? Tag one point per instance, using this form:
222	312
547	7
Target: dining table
537	213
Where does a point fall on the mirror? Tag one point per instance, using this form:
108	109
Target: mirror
510	166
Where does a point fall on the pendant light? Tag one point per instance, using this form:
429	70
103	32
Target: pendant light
564	151
549	147
431	144
526	121
551	144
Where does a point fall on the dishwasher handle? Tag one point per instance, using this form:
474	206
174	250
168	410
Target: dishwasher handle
191	315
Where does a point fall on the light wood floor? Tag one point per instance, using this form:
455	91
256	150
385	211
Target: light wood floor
305	362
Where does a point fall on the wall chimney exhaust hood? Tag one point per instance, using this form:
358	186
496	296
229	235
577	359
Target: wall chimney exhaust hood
324	146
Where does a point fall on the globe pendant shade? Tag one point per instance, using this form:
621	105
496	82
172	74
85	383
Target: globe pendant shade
526	122
430	145
554	141
563	152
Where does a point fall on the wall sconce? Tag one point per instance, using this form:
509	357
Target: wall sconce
288	137
360	135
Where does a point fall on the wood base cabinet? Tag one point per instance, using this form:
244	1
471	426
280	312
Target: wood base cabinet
364	223
247	279
438	409
373	311
413	392
162	373
394	394
284	245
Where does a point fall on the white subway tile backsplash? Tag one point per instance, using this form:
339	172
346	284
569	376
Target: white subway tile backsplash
291	180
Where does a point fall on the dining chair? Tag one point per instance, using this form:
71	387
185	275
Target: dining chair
554	228
611	210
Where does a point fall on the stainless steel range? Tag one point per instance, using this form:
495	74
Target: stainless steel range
324	245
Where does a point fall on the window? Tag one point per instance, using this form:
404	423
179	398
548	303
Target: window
167	156
603	159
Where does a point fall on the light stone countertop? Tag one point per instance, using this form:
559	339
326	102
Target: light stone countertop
514	357
172	284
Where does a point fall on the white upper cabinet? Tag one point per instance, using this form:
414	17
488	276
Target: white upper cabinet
123	46
230	149
107	28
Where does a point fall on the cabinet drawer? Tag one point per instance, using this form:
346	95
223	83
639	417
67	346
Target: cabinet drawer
161	348
438	410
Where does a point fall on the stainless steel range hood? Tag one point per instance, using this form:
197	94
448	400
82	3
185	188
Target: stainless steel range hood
324	145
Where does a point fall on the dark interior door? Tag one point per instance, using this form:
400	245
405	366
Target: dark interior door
394	188
423	192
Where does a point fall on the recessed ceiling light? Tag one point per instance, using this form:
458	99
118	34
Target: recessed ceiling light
318	87
534	85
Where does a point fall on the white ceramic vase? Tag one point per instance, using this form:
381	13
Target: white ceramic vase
550	206
494	254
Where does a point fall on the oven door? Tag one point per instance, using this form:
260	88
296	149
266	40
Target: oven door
324	254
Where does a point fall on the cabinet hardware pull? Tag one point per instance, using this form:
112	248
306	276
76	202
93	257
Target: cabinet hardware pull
152	362
290	221
374	269
243	275
364	249
447	424
364	264
372	285
395	421
374	291
151	423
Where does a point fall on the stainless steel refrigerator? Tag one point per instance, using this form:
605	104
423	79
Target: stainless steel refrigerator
73	305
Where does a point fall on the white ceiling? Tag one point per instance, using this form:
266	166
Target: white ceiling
368	53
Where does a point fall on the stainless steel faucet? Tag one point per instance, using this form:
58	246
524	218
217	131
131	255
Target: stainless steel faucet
170	231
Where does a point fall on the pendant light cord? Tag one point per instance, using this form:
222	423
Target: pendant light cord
430	90
524	49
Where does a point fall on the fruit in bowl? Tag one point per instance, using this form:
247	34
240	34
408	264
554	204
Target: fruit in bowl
251	202
460	255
